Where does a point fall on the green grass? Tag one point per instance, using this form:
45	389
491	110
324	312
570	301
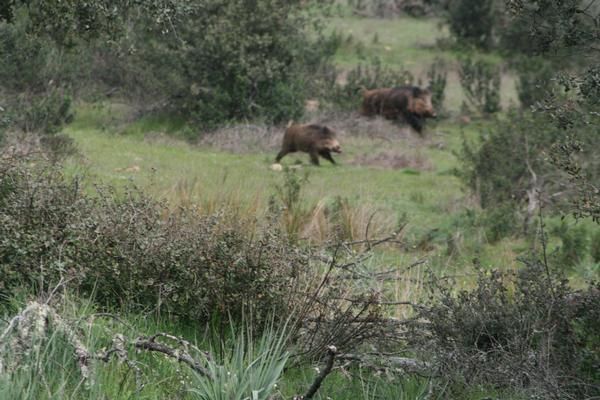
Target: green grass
166	167
399	42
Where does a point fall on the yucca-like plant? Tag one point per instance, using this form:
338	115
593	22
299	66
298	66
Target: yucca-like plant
249	371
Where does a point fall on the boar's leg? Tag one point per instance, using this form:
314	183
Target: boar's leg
415	121
314	158
280	155
326	154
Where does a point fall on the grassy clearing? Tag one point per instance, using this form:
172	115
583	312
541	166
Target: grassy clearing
174	170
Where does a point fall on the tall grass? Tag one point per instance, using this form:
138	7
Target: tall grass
39	362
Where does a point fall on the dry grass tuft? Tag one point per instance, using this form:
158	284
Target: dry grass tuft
338	219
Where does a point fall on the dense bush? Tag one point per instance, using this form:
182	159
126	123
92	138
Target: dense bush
524	330
130	250
500	221
480	81
370	75
437	76
595	249
472	21
534	82
122	249
233	60
574	244
35	81
212	62
511	165
497	170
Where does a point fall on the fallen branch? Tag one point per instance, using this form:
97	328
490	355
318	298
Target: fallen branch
331	353
181	356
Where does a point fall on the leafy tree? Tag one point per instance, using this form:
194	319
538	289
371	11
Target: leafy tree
571	28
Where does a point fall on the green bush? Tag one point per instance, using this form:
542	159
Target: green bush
500	221
534	82
574	244
437	76
480	81
590	86
526	330
498	168
370	75
472	21
131	251
232	60
35	77
122	249
595	249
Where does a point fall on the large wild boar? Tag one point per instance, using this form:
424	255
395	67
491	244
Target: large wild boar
412	103
316	140
373	101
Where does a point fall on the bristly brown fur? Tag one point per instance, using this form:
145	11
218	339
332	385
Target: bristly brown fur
316	140
412	103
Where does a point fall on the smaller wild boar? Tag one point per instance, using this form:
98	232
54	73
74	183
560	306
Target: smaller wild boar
316	140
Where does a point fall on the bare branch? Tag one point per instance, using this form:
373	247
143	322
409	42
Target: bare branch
331	353
181	356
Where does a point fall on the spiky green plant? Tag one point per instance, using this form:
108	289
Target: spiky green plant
249	371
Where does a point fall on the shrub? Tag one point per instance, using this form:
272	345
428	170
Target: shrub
437	76
292	208
595	249
34	82
534	80
480	81
472	21
520	330
236	60
590	86
500	222
574	245
497	169
123	249
364	76
510	164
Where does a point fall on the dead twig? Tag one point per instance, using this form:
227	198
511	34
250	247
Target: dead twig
331	353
